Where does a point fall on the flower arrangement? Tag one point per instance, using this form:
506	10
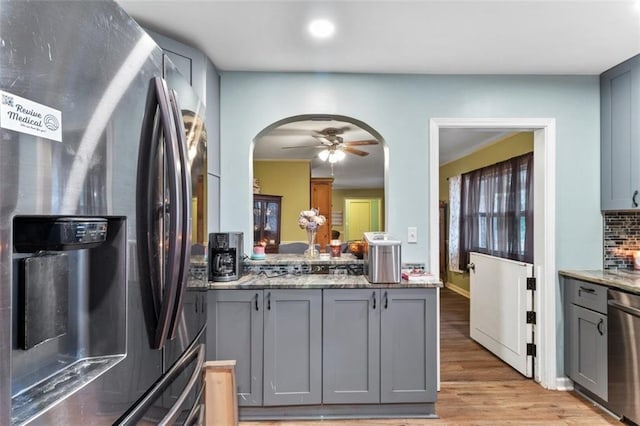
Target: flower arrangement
310	220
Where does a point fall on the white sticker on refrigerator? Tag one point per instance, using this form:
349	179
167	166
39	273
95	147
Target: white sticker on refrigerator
25	116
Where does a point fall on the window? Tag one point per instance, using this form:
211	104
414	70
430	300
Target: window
496	210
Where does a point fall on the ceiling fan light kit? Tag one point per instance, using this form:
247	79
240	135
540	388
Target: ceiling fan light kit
334	147
333	155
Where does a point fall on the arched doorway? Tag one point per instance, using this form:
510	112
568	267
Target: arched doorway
294	156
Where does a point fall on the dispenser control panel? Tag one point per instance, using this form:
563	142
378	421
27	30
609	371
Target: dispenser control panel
33	233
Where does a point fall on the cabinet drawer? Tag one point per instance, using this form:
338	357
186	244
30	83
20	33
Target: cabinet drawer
585	294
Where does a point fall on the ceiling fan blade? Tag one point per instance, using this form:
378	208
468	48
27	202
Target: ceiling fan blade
304	146
344	128
332	131
362	142
355	151
323	140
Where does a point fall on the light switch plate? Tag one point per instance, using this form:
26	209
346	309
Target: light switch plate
412	234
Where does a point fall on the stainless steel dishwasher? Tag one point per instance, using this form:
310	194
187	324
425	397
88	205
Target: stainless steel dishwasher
623	352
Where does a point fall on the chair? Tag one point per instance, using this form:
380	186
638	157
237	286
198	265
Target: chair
292	248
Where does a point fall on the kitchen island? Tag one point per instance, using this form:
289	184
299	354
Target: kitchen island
325	345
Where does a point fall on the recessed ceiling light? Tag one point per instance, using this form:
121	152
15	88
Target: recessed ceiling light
321	28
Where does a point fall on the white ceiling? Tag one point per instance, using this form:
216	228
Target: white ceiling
416	36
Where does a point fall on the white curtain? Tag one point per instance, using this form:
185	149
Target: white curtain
454	223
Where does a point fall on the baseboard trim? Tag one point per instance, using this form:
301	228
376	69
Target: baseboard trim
461	291
564	384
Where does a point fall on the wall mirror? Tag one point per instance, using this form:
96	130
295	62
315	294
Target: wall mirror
330	162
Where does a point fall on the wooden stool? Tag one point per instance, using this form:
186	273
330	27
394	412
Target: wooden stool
221	403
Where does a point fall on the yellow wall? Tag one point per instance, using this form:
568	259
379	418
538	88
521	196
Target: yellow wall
339	195
291	180
508	147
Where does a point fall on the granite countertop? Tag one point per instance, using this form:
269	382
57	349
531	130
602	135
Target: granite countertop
309	281
623	279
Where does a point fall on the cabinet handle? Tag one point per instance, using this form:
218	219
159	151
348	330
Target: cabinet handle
268	301
257	307
374	300
586	290
633	199
386	300
197	301
599	325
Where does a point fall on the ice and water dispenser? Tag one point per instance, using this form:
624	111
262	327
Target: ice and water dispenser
69	295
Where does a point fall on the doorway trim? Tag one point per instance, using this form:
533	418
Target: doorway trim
544	154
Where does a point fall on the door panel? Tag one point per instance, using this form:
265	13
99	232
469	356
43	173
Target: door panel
351	346
358	218
499	304
407	348
292	347
235	332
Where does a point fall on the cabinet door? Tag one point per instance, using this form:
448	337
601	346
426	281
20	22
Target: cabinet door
351	346
407	345
292	347
234	331
620	130
588	349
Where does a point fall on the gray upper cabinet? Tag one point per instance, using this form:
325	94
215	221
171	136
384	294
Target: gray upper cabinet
620	136
198	70
351	346
292	347
407	345
235	331
189	61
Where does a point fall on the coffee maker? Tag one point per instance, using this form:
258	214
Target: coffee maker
226	251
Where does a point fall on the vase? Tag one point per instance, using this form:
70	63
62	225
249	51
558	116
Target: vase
311	251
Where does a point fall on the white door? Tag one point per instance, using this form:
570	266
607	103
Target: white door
499	304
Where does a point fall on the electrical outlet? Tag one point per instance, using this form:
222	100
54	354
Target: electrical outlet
412	234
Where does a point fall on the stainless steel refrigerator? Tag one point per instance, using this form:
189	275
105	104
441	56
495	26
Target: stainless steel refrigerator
102	186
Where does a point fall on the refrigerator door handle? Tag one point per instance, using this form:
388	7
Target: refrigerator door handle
184	235
171	416
137	412
196	414
146	210
158	283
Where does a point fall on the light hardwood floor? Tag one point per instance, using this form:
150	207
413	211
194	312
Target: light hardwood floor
479	389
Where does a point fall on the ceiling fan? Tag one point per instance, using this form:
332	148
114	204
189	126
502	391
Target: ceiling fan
332	143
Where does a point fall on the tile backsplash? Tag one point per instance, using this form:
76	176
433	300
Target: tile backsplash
621	239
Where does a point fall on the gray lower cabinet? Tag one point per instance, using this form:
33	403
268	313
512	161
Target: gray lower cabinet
586	335
408	352
588	353
334	346
351	346
275	338
235	331
292	347
379	346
